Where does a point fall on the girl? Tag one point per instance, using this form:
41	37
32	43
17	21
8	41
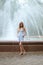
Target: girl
21	33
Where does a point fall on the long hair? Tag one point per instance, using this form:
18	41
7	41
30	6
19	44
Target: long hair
21	25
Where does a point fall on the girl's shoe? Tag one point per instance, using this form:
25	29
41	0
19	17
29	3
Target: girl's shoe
21	53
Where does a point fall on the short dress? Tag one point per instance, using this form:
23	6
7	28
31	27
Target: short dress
21	35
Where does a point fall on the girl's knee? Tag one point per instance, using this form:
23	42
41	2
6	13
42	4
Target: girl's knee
20	43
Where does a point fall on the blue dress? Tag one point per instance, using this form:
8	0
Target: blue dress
21	35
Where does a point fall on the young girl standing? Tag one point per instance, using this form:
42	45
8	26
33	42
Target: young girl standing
21	33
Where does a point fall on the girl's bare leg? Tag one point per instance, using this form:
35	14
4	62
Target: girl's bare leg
22	50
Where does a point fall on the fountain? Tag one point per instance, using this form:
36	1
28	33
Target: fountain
14	11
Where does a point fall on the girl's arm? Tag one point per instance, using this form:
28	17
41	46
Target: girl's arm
25	31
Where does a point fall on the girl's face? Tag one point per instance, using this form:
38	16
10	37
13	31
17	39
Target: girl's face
21	25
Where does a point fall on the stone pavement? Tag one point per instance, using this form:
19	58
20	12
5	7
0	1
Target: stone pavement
13	58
